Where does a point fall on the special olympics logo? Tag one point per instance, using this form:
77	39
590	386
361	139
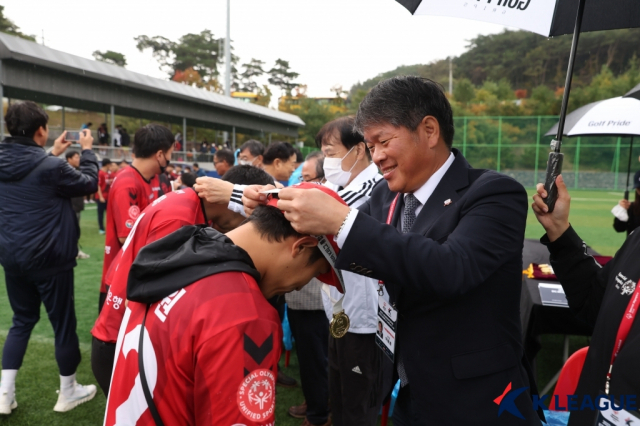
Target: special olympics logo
256	395
134	212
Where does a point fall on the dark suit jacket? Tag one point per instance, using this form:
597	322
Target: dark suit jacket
456	280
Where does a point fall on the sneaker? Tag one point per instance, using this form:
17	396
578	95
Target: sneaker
82	255
81	394
101	232
7	403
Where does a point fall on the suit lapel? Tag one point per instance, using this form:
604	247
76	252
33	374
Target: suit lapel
456	178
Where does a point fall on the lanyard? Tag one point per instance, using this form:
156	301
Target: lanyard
623	330
392	210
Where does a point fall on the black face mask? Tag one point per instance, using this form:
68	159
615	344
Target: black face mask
163	169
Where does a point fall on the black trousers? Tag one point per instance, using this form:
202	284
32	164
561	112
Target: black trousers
25	297
102	359
102	207
310	329
355	380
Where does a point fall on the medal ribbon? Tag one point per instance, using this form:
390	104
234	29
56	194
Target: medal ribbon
623	330
329	253
392	210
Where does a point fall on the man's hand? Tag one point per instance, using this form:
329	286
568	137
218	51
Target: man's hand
625	204
252	198
312	211
86	140
215	191
60	145
557	222
102	200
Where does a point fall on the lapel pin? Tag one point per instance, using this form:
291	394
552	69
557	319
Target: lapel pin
447	202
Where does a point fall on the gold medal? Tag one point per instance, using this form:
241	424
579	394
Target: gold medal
339	325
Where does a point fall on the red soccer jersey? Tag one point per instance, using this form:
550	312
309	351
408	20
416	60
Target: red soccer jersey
129	195
104	182
165	215
211	355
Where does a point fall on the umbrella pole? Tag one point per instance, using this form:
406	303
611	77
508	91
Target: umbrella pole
554	165
626	192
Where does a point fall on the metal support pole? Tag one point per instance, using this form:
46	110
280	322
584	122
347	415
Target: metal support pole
576	167
227	53
233	143
464	138
63	119
184	133
1	102
112	127
535	171
499	142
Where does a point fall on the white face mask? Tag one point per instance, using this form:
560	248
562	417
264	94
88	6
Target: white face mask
247	162
333	170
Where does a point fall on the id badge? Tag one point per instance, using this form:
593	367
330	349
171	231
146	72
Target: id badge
611	417
387	323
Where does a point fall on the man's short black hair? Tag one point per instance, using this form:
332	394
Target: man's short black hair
255	147
25	118
319	157
225	155
150	139
281	150
404	102
196	165
299	157
71	154
105	162
272	225
188	179
248	175
343	128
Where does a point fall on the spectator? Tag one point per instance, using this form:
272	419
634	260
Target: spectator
105	178
86	125
251	153
134	189
213	149
280	160
125	139
312	168
171	173
223	160
178	170
187	180
234	336
77	203
633	210
39	244
198	171
187	169
117	137
204	147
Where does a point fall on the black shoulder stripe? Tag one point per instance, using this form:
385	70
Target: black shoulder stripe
258	353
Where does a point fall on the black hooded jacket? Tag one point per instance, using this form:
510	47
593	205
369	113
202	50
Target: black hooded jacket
182	258
38	227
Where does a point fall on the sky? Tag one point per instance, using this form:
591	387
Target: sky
328	42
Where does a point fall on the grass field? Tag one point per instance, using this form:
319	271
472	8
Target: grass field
38	379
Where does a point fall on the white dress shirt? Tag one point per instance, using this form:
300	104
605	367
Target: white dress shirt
422	194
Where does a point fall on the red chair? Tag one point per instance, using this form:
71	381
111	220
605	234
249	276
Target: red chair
568	380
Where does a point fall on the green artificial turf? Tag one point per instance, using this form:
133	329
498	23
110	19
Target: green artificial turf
38	379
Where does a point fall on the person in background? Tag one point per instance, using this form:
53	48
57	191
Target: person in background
310	329
223	160
105	177
187	169
251	153
632	208
204	147
77	203
198	171
603	297
186	180
280	161
39	244
178	170
125	139
213	149
171	173
297	173
103	138
134	188
86	125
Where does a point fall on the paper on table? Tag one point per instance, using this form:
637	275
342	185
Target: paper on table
552	295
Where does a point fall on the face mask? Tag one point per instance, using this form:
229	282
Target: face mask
333	170
247	162
163	169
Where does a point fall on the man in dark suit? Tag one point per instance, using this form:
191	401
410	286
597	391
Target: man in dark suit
446	240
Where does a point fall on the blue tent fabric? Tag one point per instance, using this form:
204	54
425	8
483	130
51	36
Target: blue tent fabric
295	177
287	338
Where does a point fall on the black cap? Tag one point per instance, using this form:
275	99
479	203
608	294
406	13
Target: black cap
636	180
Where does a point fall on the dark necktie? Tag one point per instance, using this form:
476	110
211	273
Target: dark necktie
411	203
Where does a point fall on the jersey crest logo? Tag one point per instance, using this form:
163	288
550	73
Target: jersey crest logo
134	212
256	395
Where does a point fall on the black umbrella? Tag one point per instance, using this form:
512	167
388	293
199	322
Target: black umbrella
549	18
634	93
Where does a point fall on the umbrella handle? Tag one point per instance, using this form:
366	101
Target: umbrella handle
626	195
554	168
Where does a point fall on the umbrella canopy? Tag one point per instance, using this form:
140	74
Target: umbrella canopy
612	117
545	17
634	93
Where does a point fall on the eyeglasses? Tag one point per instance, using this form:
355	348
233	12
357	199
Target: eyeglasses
315	179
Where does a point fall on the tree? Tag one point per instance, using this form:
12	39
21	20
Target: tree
252	70
111	57
464	91
199	52
281	76
7	26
